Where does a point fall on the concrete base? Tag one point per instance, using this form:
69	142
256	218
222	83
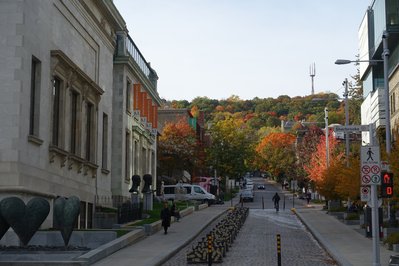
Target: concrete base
88	239
148	202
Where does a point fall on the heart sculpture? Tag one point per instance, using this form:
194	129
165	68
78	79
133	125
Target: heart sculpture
25	220
66	212
3	226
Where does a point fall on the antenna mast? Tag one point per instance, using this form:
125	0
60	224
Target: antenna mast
312	74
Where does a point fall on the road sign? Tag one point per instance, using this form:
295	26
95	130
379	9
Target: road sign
365	194
366	179
351	128
370	165
384	166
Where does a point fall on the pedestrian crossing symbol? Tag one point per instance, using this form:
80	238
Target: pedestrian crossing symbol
370	170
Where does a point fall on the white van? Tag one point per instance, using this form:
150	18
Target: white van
187	192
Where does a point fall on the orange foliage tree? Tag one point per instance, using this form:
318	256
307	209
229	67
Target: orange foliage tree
348	178
276	154
325	178
177	148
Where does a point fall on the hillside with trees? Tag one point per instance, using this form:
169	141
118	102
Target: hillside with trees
247	135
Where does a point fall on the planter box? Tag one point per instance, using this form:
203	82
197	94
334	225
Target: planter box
352	222
338	215
152	228
389	230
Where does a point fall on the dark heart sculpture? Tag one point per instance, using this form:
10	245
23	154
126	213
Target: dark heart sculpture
3	226
66	212
25	220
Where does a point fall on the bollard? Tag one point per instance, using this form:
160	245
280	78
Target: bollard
209	249
284	203
263	204
278	250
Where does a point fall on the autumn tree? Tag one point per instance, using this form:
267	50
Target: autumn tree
231	147
276	154
348	178
177	148
318	172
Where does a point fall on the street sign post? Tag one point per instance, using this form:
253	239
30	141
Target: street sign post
365	193
351	128
370	169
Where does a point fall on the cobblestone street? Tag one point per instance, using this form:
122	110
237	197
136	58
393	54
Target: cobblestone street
256	243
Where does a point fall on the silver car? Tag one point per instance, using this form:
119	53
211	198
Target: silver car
247	195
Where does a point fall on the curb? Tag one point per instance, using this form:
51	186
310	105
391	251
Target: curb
324	243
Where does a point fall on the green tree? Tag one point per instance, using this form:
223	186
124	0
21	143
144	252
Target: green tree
231	147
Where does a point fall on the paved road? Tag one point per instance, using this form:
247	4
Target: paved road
256	243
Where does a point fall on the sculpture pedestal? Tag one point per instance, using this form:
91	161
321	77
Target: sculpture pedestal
135	200
148	201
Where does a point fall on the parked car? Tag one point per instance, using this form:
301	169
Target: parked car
247	195
187	192
261	187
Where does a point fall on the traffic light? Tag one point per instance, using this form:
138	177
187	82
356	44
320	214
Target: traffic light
386	184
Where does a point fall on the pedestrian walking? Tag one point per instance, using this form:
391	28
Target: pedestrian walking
175	211
165	217
308	197
276	200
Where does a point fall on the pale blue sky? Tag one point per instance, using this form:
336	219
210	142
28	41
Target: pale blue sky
249	48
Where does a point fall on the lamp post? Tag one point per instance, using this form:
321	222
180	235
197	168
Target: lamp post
385	54
374	199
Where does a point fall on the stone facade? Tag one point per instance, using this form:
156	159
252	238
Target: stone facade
394	102
62	126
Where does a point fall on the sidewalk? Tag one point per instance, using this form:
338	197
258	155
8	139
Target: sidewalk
342	242
158	248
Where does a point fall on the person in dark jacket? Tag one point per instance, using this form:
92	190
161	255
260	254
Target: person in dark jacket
276	199
165	217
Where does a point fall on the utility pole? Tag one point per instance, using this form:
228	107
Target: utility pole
375	227
347	134
385	55
327	148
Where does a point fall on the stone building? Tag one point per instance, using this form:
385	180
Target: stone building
68	72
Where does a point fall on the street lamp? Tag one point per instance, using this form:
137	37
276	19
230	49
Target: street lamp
385	54
374	214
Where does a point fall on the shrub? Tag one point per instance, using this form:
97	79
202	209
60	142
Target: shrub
352	216
392	238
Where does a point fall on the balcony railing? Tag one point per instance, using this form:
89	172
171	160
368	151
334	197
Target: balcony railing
137	56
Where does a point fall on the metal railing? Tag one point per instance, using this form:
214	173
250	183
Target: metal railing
137	56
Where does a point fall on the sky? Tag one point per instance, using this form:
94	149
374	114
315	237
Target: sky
247	48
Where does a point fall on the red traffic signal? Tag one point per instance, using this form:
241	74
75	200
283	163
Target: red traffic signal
386	184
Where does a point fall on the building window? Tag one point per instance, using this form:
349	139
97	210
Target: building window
144	160
75	94
89	132
56	110
34	97
136	157
105	142
74	121
128	96
127	156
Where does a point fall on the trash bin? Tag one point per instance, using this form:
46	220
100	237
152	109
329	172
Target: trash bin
368	222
